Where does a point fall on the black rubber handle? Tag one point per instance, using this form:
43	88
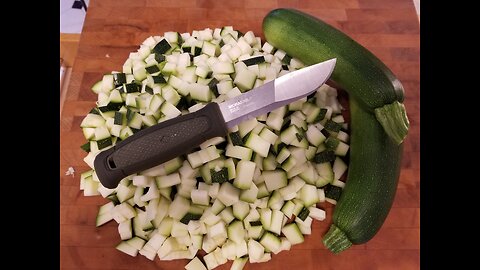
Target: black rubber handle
158	144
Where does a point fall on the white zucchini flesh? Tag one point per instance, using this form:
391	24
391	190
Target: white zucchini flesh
195	264
244	174
266	176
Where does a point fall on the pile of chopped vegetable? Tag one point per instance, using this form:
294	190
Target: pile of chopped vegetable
240	197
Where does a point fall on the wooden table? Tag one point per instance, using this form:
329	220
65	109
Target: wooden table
113	28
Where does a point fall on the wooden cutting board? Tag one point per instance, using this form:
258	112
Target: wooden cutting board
113	28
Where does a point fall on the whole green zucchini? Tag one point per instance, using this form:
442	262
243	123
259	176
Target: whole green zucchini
357	70
372	180
378	121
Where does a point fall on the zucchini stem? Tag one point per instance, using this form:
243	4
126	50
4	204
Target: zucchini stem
394	120
336	240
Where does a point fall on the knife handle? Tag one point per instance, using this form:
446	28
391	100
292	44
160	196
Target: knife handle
158	144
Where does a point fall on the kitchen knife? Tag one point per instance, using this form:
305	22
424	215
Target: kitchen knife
169	139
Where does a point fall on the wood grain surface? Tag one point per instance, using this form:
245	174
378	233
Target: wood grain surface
113	28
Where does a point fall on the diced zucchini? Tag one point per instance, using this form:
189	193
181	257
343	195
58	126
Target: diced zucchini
339	168
283	155
276	222
275	179
227	215
209	218
92	121
266	218
255	250
164	181
200	197
309	174
269	163
270	242
219	176
332	192
249	195
136	242
223	67
240	210
317	213
293	233
287	209
255	232
228	194
304	226
127	248
217	230
197	241
195	264
246	126
289	135
303	213
161	47
308	194
125	229
262	191
257	144
124	193
239	152
165	226
244	174
239	263
288	164
285	245
236	231
213	190
270	168
325	172
104	217
241	249
275	201
219	256
275	119
178	208
210	261
179	229
200	92
245	79
314	136
224	86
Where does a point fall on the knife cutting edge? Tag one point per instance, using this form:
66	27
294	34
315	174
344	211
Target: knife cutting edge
177	136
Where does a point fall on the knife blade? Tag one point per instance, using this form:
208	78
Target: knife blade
177	136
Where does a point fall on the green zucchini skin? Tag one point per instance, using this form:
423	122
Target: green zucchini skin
374	169
357	70
378	121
